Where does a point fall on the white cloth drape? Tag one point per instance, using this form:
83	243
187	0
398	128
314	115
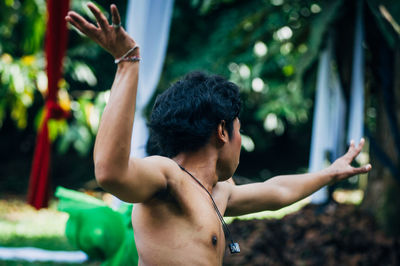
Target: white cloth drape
36	254
328	135
148	22
356	118
329	117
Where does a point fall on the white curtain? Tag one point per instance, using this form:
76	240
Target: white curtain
328	134
329	117
356	118
148	22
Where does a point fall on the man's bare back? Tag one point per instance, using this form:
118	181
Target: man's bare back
197	124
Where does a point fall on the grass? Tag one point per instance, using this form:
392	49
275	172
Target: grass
278	214
21	225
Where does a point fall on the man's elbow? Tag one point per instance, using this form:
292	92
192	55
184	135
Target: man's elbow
106	175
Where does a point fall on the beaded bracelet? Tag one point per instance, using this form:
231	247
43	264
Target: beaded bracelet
134	58
126	58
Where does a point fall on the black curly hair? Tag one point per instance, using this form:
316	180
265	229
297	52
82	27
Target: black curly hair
185	115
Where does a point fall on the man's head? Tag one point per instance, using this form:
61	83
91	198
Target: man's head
185	116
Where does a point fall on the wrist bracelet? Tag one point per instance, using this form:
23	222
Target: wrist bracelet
125	56
134	58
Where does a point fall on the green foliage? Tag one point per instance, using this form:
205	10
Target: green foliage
19	79
83	128
22	26
23	81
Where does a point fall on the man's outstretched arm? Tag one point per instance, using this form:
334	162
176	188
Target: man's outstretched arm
131	179
284	190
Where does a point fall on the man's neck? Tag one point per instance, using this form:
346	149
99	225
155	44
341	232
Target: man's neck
202	164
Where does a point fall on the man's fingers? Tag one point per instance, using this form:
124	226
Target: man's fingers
73	23
360	146
116	18
101	19
83	25
350	151
362	170
353	150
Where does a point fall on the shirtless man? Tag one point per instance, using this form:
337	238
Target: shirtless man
196	126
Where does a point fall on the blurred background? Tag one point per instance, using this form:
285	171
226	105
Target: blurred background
274	50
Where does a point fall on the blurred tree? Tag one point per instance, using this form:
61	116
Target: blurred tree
382	197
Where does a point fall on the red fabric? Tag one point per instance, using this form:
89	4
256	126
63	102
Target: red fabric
55	46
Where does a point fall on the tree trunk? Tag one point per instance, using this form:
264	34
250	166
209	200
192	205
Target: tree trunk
382	196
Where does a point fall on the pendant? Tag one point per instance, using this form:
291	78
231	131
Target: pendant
234	248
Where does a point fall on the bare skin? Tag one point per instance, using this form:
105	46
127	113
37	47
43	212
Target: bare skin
174	220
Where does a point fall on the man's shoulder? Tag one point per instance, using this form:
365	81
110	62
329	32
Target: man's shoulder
161	160
224	187
166	165
226	183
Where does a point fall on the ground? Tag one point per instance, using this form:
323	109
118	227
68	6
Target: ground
336	235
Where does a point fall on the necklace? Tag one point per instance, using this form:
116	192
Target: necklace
233	246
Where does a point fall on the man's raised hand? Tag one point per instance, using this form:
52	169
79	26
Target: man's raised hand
342	169
113	38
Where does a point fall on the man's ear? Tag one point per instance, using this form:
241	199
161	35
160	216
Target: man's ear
222	132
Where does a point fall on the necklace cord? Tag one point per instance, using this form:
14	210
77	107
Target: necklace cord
224	225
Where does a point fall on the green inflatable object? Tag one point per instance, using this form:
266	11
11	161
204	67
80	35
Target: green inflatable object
98	230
